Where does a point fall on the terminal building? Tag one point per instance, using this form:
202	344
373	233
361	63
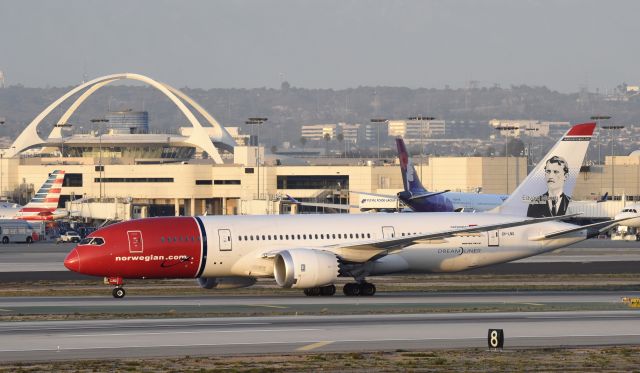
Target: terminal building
124	171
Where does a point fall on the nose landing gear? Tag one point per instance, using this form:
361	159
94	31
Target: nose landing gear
118	292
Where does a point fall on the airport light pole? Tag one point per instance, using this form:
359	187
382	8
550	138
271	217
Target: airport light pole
97	121
422	119
257	121
613	157
378	121
506	148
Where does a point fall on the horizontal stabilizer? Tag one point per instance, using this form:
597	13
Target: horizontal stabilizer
427	195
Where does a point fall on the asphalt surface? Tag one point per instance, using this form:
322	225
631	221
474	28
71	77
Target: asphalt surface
43	261
286	334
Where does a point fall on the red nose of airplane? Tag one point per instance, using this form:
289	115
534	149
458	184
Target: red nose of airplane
72	261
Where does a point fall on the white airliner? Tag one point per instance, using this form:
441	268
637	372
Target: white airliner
310	252
632	213
44	204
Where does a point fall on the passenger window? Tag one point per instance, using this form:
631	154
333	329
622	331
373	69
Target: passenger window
298	236
251	237
322	236
334	236
269	237
304	236
368	235
263	237
162	239
350	235
316	236
339	235
286	236
245	238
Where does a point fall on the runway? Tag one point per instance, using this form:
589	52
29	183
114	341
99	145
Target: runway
230	336
43	261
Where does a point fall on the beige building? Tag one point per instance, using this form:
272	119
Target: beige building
412	131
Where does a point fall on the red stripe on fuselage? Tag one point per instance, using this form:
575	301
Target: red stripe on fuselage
171	248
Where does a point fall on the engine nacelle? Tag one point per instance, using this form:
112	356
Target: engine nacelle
305	268
226	282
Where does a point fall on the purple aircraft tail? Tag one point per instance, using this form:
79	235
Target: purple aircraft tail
410	178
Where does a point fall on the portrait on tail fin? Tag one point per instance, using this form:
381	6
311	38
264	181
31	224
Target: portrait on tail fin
554	202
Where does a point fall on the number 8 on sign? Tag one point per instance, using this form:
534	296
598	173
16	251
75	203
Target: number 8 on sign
495	338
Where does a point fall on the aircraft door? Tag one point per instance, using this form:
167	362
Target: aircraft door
388	232
135	241
494	238
224	239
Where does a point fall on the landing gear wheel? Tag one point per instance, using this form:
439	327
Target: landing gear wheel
351	289
327	291
367	289
312	292
5	240
118	293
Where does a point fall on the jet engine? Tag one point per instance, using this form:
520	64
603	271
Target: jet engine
305	268
226	282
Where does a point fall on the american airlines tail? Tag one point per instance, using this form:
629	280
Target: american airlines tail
45	201
547	189
410	179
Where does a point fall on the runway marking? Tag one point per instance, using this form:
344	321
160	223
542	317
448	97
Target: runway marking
196	332
265	305
529	303
313	346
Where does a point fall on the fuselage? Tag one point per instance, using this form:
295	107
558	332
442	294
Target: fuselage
457	201
211	246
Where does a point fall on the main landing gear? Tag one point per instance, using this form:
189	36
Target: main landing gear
118	292
353	289
325	291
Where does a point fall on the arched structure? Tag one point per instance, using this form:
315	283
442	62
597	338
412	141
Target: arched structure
199	137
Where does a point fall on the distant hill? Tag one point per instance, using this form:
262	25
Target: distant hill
289	107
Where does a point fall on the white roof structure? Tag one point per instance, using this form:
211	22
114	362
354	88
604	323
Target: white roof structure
201	137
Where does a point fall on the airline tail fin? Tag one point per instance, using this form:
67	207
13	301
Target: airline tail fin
47	197
547	189
410	179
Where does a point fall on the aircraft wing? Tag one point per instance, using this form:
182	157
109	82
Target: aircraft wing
599	227
365	251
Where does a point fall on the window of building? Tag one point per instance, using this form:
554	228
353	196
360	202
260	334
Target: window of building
99	168
203	182
248	170
72	180
313	182
226	182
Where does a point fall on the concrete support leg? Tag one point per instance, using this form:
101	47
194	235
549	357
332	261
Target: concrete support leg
192	206
176	204
203	206
224	206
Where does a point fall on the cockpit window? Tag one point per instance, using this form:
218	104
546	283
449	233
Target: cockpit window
94	241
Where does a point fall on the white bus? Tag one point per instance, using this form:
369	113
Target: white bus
15	230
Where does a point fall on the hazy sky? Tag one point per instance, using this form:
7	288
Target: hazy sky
324	44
